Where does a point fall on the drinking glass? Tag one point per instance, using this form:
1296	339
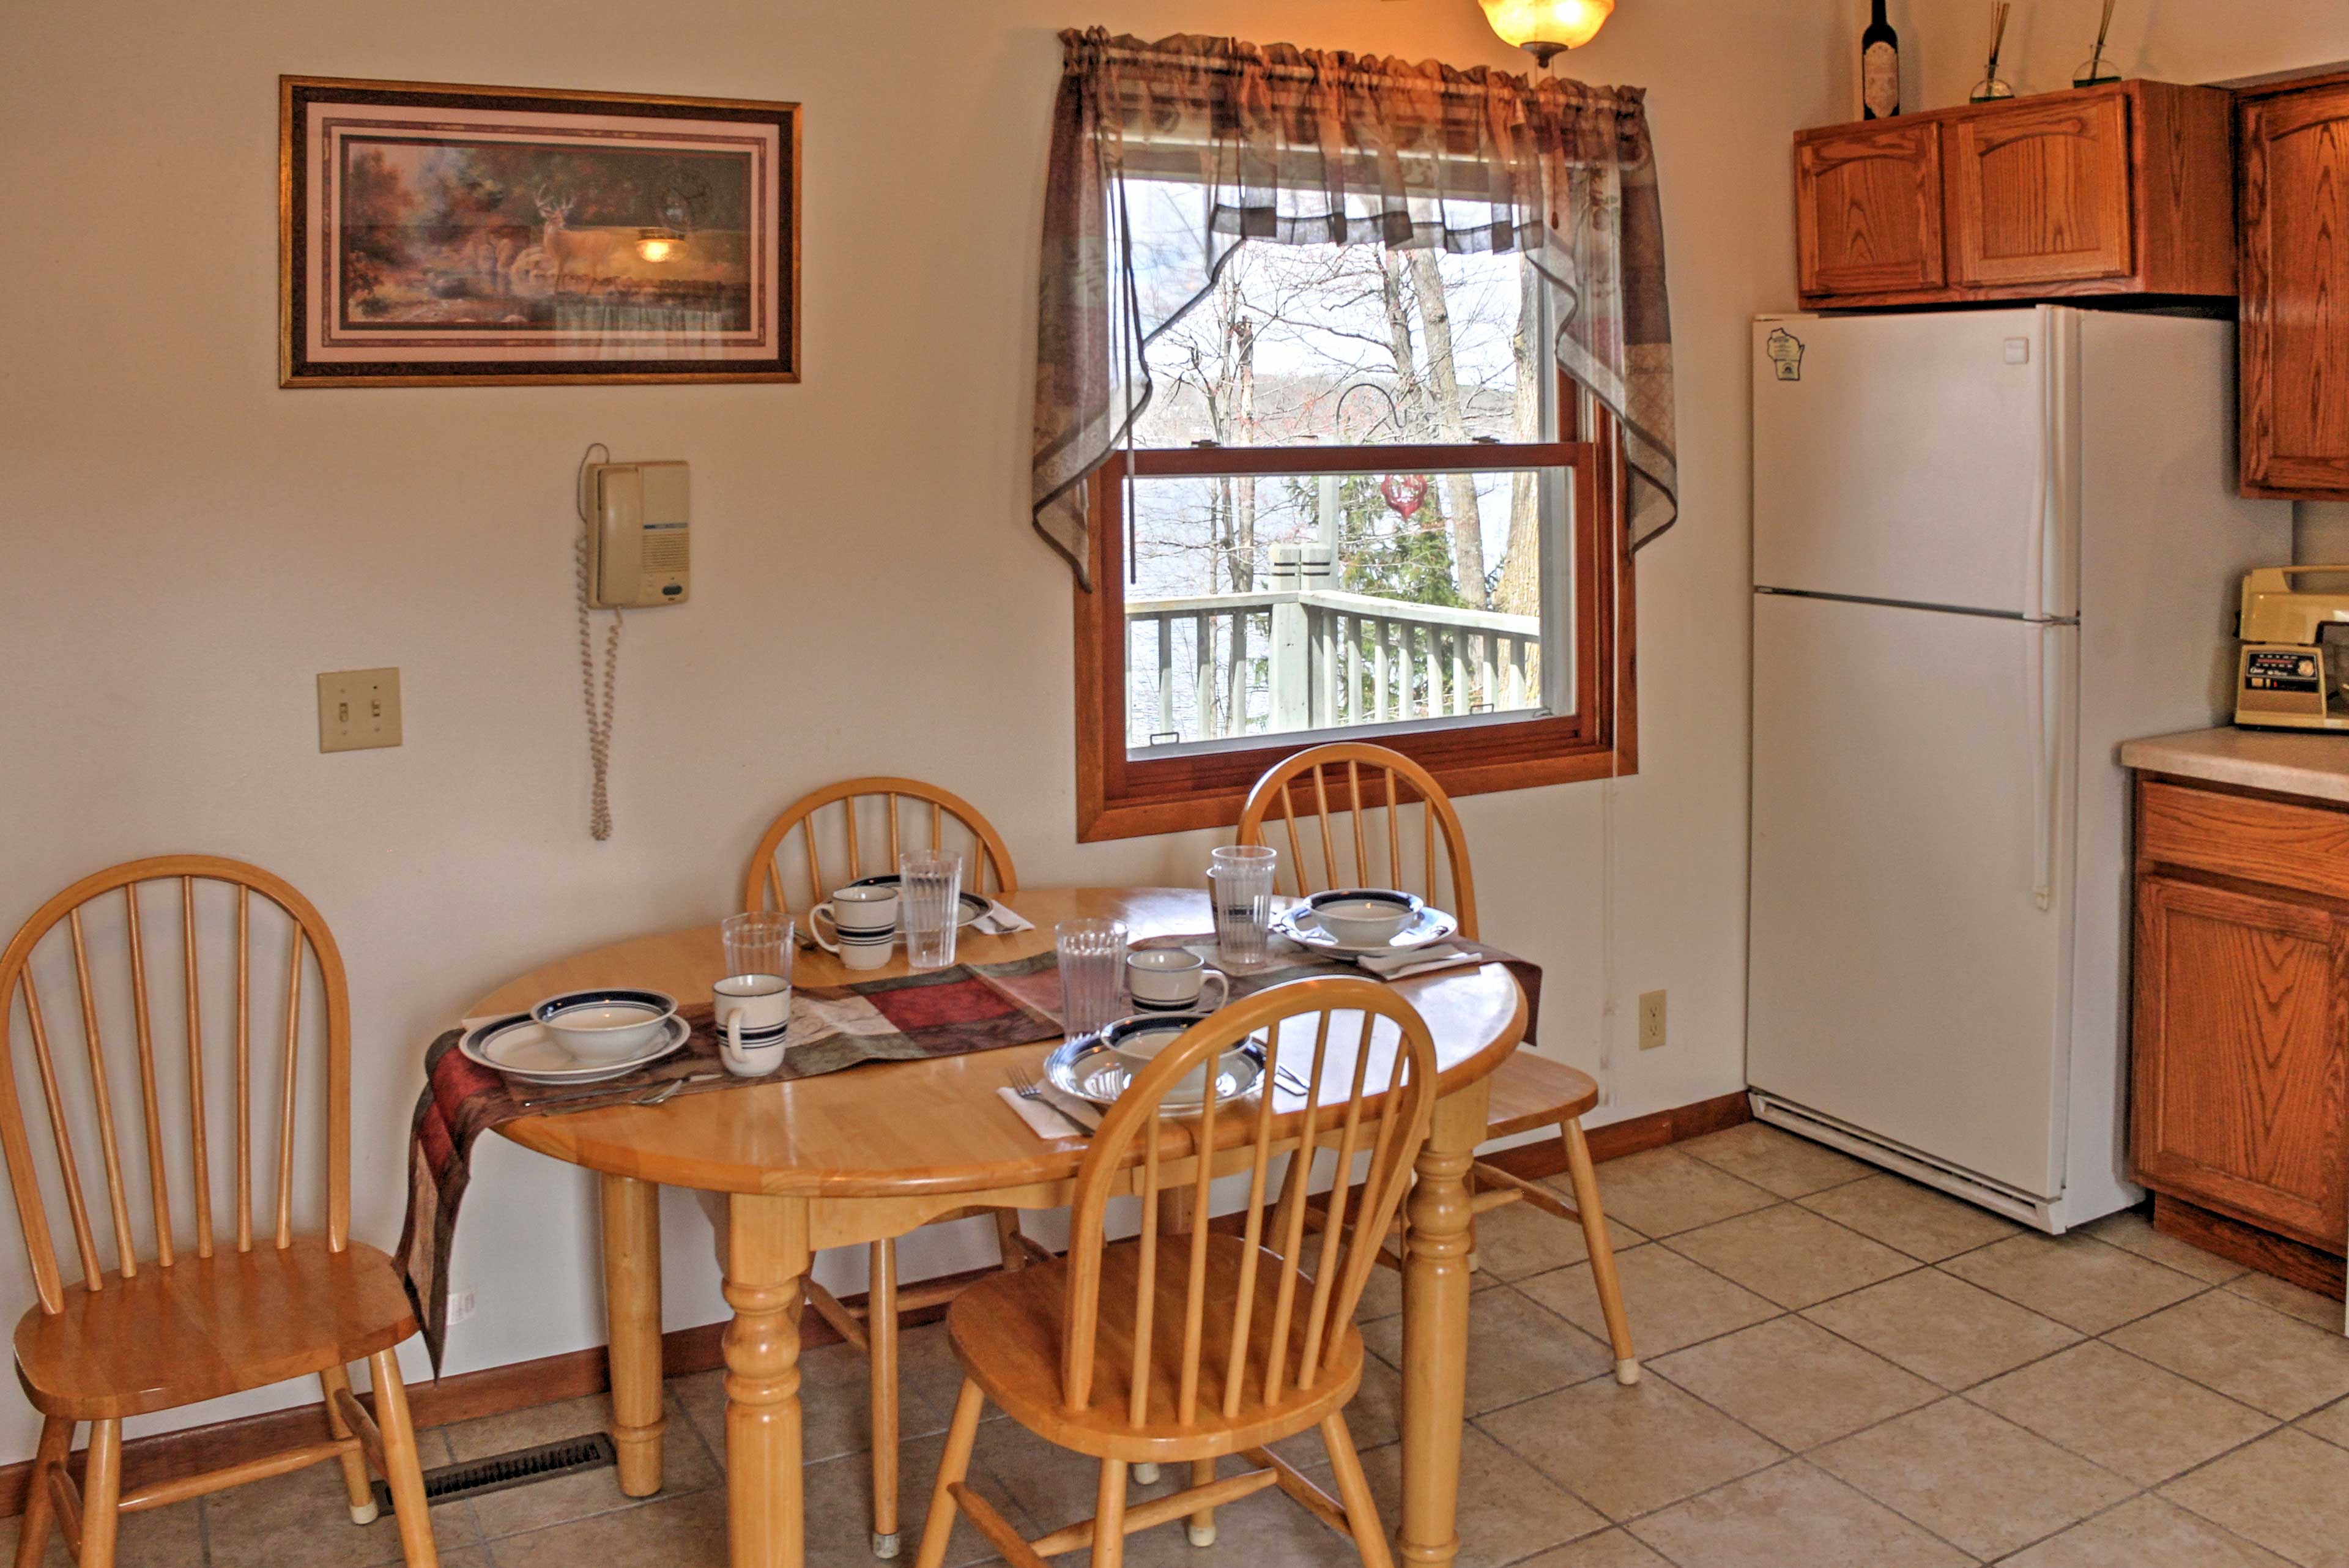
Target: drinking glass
929	908
1239	885
758	943
1093	975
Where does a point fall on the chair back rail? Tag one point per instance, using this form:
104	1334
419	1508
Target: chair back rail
865	841
1367	1039
1359	782
116	893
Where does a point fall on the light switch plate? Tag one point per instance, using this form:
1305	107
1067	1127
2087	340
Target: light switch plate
358	709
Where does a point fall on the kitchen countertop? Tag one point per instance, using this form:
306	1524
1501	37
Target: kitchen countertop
2310	762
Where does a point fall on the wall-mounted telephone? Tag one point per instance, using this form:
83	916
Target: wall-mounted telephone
635	551
641	543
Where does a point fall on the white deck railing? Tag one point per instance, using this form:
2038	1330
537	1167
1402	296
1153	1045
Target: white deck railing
1294	657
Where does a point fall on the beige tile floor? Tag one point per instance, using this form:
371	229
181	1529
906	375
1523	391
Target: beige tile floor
1844	1370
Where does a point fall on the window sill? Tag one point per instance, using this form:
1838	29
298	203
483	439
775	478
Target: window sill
1184	809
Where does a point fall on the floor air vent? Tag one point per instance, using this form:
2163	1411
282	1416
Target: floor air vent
520	1468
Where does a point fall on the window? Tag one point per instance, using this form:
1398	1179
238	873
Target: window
1362	504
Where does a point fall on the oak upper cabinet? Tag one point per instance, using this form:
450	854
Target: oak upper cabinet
2296	312
2040	193
2241	1011
1868	203
2127	188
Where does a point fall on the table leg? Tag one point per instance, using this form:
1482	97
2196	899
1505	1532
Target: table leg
1435	1332
767	1258
632	1317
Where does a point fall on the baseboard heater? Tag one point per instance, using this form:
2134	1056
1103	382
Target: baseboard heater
1995	1196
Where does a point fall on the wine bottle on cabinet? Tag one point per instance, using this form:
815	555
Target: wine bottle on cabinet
1880	68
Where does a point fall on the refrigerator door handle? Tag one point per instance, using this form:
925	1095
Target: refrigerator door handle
2043	765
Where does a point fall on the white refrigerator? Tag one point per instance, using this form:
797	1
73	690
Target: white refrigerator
1989	547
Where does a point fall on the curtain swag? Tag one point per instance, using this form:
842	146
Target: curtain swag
1302	147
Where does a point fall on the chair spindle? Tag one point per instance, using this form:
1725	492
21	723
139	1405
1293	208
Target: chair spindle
197	1139
102	1099
159	1185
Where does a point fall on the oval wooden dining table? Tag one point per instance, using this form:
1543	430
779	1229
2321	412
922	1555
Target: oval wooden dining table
879	1149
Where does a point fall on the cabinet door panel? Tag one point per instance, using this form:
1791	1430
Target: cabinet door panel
1867	210
2239	1081
2041	194
2296	310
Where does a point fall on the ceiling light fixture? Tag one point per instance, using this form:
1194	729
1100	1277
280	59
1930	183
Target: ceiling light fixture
1547	28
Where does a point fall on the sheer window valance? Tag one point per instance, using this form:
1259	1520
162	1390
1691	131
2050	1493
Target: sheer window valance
1300	147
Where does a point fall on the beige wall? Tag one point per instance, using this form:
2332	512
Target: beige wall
187	545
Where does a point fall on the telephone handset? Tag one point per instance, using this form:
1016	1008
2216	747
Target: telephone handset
634	552
641	546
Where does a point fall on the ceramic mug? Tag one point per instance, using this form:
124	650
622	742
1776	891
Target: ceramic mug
753	1014
1173	979
864	925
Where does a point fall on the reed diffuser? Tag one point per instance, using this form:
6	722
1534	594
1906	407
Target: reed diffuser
1991	90
2096	70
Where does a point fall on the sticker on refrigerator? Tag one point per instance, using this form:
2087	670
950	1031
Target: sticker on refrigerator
1785	351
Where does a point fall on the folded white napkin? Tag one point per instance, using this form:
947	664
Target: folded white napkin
1046	1117
1418	961
1001	919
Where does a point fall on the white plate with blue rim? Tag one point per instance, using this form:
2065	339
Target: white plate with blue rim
1425	927
1093	1067
521	1047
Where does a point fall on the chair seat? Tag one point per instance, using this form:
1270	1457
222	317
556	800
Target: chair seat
1532	1091
209	1326
1008	1331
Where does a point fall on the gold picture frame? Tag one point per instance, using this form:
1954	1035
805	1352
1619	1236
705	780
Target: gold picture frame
442	235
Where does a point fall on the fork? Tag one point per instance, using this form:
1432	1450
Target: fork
1026	1087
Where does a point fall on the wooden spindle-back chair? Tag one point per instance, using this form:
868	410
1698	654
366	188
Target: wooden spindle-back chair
858	828
276	1289
1360	783
1226	1339
847	830
1378	792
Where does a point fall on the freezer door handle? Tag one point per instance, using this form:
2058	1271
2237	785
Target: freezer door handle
2043	768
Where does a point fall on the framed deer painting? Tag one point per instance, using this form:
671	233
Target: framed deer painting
440	236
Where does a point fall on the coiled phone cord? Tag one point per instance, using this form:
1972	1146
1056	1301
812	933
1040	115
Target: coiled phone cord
598	699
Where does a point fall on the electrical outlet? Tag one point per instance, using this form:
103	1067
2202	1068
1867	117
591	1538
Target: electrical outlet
1651	1021
358	709
460	1305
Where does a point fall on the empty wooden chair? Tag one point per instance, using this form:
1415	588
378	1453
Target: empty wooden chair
1224	1340
1375	789
822	842
198	1305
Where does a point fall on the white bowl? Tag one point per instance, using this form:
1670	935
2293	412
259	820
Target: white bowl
605	1025
1138	1041
1364	917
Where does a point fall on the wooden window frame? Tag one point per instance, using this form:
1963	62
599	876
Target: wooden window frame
1123	797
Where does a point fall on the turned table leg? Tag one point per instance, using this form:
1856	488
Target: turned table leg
632	1315
767	1258
1435	1332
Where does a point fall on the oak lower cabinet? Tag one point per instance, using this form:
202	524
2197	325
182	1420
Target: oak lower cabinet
2238	1120
2294	338
2128	189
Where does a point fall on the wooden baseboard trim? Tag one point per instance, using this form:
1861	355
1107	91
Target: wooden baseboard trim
1635	1134
2309	1268
500	1390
